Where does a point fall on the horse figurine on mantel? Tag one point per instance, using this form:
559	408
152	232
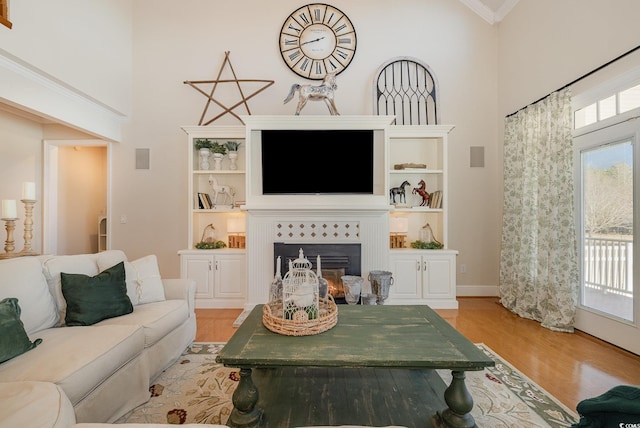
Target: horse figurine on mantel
323	92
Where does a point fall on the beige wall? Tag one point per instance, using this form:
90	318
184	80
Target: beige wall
540	51
20	161
85	46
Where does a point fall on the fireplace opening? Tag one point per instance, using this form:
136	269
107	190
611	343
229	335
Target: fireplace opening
336	261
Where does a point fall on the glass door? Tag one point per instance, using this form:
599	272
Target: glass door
606	195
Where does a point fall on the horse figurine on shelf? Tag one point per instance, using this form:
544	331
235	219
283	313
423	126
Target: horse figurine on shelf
323	92
226	191
421	190
399	191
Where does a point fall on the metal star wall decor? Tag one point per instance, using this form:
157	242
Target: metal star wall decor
210	98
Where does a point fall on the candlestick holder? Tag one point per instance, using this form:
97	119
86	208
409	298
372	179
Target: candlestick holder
28	227
9	247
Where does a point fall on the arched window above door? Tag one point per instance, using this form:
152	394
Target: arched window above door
406	87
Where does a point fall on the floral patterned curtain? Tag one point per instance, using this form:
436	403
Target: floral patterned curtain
539	264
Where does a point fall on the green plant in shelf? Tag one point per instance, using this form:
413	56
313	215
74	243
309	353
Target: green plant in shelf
232	146
203	143
421	245
210	245
218	148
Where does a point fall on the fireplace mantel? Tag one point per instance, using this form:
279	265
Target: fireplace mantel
307	219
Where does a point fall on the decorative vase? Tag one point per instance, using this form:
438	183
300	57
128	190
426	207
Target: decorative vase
381	281
233	158
352	287
217	160
204	158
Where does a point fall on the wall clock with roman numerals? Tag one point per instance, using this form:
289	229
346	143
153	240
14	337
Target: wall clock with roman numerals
317	39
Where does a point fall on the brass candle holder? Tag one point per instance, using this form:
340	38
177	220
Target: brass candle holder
9	244
28	227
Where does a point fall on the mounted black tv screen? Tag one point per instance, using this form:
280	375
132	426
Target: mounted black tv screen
317	162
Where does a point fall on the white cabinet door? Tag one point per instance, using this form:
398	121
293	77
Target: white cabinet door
407	277
200	269
230	276
437	276
423	278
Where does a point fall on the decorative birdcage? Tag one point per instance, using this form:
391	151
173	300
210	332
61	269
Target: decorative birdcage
299	310
300	291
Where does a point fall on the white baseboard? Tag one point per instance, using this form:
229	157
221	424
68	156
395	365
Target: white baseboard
477	290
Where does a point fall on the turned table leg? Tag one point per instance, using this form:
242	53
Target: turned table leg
459	402
245	414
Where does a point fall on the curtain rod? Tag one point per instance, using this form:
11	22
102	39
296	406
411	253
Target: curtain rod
578	79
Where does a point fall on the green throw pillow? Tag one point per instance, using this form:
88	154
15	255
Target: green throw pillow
95	298
13	340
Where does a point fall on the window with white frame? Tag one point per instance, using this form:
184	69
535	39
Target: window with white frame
620	102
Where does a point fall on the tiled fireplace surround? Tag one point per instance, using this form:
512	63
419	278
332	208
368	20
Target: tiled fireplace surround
308	219
370	228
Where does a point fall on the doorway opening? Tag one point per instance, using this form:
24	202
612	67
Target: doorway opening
76	196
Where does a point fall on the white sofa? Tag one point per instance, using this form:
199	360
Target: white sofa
104	369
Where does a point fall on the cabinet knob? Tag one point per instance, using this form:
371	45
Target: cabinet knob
424	266
418	265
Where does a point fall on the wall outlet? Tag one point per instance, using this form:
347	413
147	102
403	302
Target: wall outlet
123	219
463	268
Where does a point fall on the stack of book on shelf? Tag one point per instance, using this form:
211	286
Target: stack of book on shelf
436	199
204	201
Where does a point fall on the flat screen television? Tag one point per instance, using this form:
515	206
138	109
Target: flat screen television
317	161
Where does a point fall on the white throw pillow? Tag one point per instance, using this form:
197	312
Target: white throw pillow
23	279
110	258
145	275
52	267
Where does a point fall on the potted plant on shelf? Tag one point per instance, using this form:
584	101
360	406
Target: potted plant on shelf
204	145
232	146
218	150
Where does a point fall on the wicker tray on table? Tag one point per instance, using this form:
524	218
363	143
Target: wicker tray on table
300	325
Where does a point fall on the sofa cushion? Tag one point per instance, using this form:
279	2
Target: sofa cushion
94	298
79	263
78	359
144	284
22	278
146	274
13	340
35	404
157	319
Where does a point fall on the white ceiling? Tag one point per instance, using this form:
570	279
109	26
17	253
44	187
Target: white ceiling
492	11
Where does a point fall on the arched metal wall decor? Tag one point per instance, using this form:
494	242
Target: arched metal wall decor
406	88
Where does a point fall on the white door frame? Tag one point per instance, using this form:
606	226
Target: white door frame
50	190
619	332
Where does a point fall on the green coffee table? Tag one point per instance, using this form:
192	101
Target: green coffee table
376	357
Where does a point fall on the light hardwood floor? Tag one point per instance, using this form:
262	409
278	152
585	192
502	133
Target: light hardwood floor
571	367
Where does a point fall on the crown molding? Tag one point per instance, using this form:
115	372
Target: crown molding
504	10
486	13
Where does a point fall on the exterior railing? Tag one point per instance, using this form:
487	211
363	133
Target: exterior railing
608	265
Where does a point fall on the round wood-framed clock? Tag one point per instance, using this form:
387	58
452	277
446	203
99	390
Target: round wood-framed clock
317	39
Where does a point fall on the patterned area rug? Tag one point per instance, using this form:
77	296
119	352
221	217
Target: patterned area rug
198	390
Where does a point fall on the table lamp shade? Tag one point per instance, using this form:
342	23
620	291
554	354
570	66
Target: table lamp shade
399	225
235	225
